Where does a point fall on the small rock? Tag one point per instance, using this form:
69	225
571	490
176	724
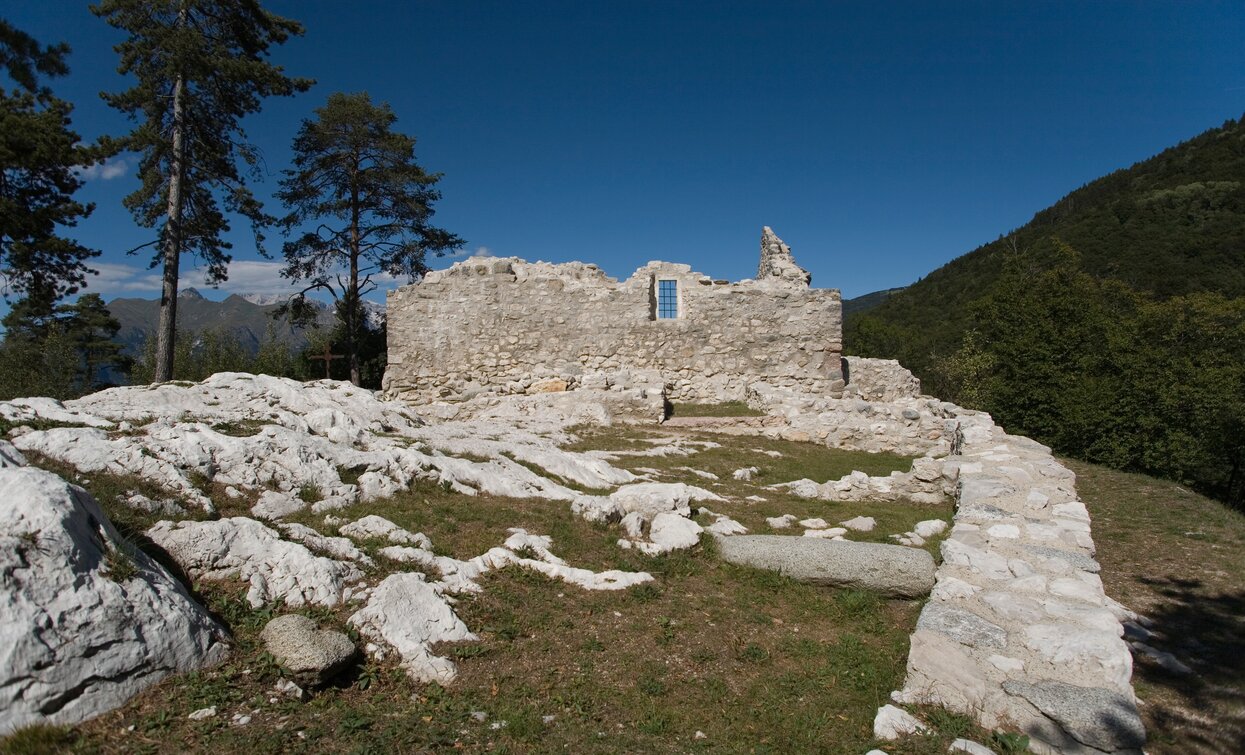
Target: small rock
288	688
814	524
479	715
700	735
930	527
745	474
202	713
969	746
780	522
893	723
860	523
309	653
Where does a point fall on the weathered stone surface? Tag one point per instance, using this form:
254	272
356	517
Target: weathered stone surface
670	532
969	746
860	523
86	619
1098	718
511	326
777	262
1018	630
241	548
311	654
407	614
965	627
653	498
892	723
888	569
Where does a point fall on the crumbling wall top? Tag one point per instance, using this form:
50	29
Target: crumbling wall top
778	263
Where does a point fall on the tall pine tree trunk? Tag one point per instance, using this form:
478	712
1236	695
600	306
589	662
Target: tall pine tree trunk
166	330
352	311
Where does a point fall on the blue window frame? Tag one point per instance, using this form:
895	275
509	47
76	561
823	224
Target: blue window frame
667	300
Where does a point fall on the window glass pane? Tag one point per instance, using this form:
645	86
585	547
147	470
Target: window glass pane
667	299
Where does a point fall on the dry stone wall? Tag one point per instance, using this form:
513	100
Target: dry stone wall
508	326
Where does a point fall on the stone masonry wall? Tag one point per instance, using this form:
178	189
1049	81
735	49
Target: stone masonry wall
508	326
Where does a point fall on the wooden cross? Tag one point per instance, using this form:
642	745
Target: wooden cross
328	356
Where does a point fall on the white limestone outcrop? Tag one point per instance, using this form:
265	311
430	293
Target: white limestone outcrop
241	548
86	619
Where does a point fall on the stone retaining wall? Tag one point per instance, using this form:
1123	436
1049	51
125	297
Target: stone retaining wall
1018	631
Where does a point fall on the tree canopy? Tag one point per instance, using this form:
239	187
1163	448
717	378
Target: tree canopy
39	152
200	66
367	203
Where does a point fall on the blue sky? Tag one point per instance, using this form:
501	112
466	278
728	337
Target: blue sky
880	140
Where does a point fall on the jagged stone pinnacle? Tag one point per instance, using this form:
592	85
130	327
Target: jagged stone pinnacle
777	261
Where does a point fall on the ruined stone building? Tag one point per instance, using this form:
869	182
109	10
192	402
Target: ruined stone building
504	325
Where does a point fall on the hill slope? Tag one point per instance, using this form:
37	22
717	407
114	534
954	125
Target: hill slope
1111	326
1170	225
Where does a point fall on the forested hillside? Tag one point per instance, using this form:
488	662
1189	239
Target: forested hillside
1111	326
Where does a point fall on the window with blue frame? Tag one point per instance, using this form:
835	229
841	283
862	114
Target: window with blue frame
667	300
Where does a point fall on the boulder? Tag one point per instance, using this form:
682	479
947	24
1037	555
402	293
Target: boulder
86	619
888	569
312	655
653	498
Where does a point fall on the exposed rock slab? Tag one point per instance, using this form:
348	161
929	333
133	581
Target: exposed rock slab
86	620
242	548
888	569
406	613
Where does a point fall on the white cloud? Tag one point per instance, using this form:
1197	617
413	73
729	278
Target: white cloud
462	254
117	278
105	170
260	277
245	277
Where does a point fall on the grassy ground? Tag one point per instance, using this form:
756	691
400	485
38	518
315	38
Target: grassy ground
753	661
1178	558
726	409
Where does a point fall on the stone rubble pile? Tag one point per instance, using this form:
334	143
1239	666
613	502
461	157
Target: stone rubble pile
926	482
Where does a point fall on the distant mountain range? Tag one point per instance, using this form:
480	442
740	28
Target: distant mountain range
248	318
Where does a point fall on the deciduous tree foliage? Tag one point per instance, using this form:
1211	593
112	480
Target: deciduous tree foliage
38	153
1128	351
356	184
200	66
1109	374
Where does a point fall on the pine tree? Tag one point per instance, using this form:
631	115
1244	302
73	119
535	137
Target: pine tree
38	154
358	181
201	66
92	330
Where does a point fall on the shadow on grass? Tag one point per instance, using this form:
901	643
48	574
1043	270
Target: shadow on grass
1207	632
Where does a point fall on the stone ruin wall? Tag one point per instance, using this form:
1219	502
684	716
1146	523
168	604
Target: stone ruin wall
503	325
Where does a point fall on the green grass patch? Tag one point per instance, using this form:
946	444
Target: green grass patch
724	409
